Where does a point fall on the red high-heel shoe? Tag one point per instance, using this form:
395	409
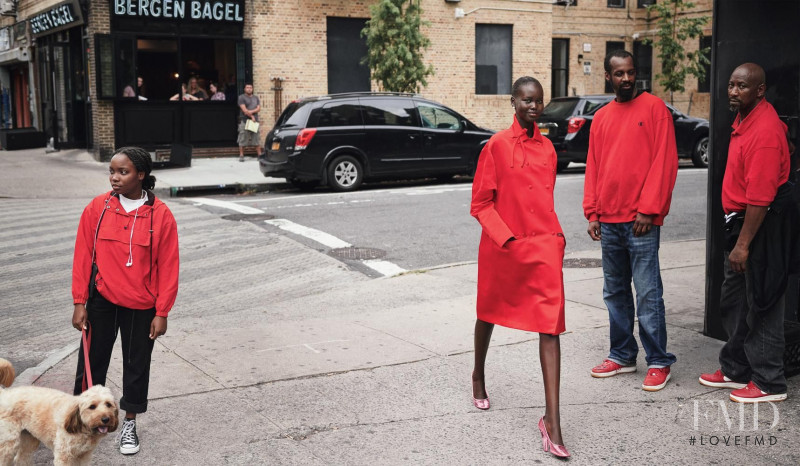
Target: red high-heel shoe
555	449
479	403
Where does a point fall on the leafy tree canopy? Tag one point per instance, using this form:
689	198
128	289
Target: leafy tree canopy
395	45
674	29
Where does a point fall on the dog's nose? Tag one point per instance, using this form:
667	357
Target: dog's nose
105	419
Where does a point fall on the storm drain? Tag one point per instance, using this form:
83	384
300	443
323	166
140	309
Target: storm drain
582	263
248	217
357	253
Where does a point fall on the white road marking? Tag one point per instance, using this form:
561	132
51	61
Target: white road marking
227	205
384	268
305	345
310	233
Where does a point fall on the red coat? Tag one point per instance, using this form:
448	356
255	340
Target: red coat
152	279
520	284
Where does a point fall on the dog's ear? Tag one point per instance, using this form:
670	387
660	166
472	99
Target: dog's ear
74	424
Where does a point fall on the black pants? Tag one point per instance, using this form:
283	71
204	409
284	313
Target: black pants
754	350
106	318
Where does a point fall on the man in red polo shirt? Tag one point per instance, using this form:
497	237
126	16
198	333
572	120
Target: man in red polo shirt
757	170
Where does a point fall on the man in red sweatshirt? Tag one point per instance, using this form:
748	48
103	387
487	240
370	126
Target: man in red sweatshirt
760	230
630	172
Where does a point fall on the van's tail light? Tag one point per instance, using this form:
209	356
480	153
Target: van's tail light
304	138
575	124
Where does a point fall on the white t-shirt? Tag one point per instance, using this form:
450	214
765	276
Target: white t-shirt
132	204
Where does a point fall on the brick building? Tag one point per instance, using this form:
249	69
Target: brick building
84	60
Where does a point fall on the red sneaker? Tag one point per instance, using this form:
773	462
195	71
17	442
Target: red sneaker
656	379
753	394
719	380
609	368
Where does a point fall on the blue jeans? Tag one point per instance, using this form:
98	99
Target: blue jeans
627	258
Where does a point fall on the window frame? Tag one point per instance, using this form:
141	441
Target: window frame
500	87
645	3
619	3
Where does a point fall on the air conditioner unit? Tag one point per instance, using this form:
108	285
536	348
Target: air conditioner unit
643	84
8	7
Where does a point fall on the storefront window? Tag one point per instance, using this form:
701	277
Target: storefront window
154	68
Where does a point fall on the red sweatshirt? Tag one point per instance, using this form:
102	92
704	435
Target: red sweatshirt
152	279
632	161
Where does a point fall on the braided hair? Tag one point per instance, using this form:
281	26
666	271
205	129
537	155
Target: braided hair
140	159
523	81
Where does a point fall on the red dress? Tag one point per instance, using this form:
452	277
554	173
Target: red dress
521	284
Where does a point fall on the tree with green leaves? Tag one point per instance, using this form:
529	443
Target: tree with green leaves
395	45
674	29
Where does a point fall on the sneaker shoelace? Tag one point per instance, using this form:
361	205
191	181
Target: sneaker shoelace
128	433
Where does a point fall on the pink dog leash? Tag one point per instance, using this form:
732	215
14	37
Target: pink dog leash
86	336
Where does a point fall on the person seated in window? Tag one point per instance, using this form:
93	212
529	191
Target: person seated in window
195	90
183	94
216	94
140	89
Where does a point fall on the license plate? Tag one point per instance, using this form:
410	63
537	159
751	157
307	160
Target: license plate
276	145
544	130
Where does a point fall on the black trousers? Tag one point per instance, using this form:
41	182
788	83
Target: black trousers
106	319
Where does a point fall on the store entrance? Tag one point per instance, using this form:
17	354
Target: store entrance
63	89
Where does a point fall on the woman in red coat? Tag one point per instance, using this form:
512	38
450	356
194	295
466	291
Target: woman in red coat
520	281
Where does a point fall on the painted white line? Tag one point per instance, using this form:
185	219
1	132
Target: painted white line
311	233
383	267
305	345
227	205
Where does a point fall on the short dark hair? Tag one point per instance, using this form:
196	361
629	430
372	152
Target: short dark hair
523	81
140	159
619	53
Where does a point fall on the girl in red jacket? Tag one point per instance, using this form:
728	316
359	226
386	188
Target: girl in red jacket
132	238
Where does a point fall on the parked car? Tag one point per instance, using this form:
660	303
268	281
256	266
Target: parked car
567	122
343	139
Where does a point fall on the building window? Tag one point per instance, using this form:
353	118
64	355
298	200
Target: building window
560	78
644	57
493	58
346	49
155	68
704	85
645	3
616	3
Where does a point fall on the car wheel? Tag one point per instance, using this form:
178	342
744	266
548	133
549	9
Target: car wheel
304	185
700	153
561	166
345	173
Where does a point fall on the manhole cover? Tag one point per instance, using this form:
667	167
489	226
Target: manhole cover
582	263
248	217
357	253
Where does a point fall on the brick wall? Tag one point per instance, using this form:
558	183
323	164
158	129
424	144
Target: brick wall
102	110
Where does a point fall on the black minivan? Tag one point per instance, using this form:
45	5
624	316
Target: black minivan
341	140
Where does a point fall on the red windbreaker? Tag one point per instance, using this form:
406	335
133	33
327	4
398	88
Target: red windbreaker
149	239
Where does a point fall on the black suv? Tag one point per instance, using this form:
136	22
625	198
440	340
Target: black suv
341	140
563	122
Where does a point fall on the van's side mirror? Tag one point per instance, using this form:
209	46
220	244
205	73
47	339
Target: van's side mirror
463	126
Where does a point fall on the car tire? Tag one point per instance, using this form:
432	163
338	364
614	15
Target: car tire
561	166
345	173
700	153
303	185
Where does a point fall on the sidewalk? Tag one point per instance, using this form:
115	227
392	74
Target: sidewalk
81	170
276	354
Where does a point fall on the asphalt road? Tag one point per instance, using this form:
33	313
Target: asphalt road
424	224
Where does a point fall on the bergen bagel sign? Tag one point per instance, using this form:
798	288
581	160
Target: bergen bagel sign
204	10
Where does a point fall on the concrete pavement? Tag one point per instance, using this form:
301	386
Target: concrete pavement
266	365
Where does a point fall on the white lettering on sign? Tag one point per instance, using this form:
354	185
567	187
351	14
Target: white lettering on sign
176	9
57	17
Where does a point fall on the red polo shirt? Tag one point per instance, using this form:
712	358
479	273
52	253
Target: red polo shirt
758	160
